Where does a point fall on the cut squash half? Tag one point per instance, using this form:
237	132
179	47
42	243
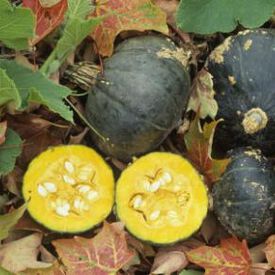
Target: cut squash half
161	198
69	188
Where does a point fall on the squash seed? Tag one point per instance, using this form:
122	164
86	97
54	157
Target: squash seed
62	207
137	201
42	191
63	210
69	167
92	195
167	177
154	215
154	186
83	188
69	180
172	214
84	176
50	187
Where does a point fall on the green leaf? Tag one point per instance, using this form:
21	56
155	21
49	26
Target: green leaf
4	271
16	25
190	272
77	27
79	8
209	16
9	220
9	151
8	91
3	200
34	87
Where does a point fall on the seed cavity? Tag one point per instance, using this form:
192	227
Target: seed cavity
69	180
154	215
69	167
154	185
42	191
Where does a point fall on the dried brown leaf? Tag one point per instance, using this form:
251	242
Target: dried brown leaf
169	262
19	255
202	95
270	250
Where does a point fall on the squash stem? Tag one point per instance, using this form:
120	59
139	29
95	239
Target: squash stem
254	120
85	120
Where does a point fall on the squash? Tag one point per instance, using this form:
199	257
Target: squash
161	198
141	97
244	197
69	188
243	73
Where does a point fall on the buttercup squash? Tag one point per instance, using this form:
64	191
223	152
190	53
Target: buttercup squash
140	98
244	79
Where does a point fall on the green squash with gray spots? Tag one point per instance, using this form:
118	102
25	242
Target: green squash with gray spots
244	81
140	98
244	197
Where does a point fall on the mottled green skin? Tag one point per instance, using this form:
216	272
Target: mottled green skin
254	72
243	196
140	99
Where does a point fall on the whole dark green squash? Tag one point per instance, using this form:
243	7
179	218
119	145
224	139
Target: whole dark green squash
140	98
244	197
244	81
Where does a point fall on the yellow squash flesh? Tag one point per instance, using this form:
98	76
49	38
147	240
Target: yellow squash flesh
161	198
69	188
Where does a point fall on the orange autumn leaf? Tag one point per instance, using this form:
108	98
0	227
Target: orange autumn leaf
198	143
104	254
231	258
123	15
47	18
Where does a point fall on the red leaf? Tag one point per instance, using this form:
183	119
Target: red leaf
105	254
231	258
38	134
122	15
199	148
47	19
3	129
